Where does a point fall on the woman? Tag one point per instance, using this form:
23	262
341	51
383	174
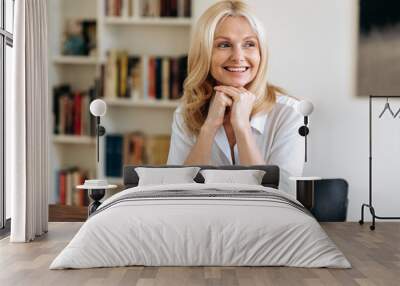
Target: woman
230	115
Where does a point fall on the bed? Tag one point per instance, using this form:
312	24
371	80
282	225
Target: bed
201	224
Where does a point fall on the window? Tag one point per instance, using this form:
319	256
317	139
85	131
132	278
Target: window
6	44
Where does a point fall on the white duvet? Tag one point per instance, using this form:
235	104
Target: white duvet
182	231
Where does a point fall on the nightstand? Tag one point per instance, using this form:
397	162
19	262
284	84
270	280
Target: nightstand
97	190
305	190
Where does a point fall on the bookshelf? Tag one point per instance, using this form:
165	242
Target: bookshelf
137	35
73	139
140	21
153	104
75	60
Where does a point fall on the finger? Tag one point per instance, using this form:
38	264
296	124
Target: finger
249	95
226	100
230	91
227	88
229	101
224	97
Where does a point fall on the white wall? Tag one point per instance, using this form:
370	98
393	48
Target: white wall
313	54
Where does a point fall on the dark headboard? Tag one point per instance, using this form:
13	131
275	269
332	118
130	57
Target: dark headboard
270	179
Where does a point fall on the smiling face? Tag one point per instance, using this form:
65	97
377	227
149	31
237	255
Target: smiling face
236	53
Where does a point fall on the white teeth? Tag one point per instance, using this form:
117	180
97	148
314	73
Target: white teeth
241	69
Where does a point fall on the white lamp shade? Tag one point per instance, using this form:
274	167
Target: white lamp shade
305	107
98	107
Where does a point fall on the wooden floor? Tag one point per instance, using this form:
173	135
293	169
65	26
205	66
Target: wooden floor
374	255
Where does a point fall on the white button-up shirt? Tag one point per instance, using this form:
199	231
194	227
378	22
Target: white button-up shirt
276	135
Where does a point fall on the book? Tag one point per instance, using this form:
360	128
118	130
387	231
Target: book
134	148
165	79
148	8
145	81
62	187
77	112
71	111
58	92
111	84
187	8
125	7
174	79
173	8
143	77
113	156
182	67
151	78
66	192
123	74
158	77
181	8
134	145
157	148
134	86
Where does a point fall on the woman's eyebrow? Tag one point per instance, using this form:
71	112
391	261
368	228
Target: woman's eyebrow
250	37
221	37
227	38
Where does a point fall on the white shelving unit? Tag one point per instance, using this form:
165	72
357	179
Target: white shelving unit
156	104
75	60
137	35
73	139
141	21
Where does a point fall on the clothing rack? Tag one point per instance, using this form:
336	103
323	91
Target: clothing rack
370	205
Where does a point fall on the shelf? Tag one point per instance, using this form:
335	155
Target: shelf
115	181
149	21
122	102
75	60
73	139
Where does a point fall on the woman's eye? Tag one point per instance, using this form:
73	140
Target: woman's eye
249	44
223	45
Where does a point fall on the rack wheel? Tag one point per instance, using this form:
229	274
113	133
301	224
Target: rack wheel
372	227
361	222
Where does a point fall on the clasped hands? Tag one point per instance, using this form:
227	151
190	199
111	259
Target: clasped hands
239	100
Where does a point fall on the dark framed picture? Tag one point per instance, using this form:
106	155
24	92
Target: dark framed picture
379	47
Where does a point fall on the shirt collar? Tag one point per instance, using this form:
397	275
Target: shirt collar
258	122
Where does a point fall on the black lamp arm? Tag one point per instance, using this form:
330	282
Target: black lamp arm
100	131
303	131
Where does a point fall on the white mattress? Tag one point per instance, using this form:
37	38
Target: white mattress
183	231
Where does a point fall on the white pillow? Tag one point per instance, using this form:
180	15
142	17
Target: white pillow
248	177
163	176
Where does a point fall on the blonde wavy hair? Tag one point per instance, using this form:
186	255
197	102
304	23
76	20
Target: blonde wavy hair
198	86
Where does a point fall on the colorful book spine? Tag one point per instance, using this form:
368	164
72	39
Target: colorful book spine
165	78
135	148
113	156
66	192
158	76
144	77
152	78
71	112
62	187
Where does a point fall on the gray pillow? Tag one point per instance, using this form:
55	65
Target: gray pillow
248	177
163	176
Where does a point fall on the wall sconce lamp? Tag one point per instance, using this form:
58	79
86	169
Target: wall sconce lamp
98	108
305	108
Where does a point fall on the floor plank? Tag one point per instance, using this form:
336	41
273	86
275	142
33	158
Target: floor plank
374	255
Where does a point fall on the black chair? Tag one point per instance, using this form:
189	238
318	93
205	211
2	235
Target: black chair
330	200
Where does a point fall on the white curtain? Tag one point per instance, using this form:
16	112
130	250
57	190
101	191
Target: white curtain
27	123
